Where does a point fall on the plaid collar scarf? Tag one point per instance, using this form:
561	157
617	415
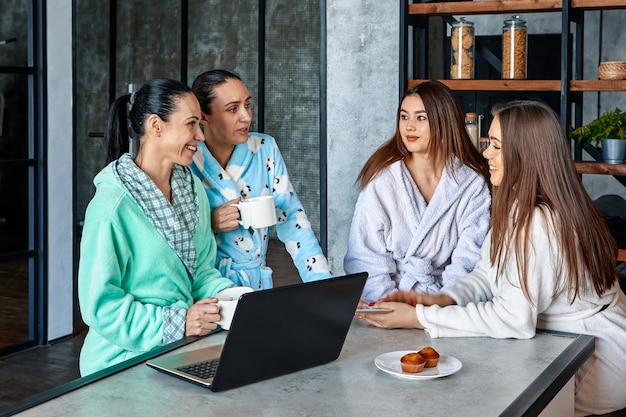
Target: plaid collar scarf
176	221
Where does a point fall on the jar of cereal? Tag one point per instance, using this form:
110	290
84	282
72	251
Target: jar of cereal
514	48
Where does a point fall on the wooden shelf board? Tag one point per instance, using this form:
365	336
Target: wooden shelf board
498	85
507	6
597	85
598	4
530	85
621	254
484	7
600	168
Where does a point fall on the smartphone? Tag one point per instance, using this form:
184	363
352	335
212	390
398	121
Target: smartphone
373	310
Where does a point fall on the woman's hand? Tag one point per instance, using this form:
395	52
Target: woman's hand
226	217
414	298
403	304
202	317
402	317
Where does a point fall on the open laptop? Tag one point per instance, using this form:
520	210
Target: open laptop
274	332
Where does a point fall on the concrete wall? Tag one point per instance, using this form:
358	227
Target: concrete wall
59	169
362	99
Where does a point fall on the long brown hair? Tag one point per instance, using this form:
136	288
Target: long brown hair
447	131
539	172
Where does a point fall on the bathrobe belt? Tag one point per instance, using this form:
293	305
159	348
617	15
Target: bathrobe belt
252	274
413	270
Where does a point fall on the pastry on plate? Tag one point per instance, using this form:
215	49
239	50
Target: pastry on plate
412	363
430	355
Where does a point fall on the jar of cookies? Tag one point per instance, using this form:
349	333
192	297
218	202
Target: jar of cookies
514	48
462	39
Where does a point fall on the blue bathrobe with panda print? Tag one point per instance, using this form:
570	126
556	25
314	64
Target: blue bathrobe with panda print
257	168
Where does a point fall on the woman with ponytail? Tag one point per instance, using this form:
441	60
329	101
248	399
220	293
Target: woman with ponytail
146	275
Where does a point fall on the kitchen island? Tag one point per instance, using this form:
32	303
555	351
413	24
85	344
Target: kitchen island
497	377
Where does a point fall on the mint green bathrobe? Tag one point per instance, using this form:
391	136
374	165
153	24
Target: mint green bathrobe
128	273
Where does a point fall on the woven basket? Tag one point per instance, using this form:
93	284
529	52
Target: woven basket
612	70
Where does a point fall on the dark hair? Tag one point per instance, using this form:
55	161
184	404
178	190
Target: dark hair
204	86
128	113
540	173
447	131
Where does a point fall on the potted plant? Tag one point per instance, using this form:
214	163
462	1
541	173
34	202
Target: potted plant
609	132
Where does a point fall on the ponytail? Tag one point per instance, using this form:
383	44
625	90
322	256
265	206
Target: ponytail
116	133
128	113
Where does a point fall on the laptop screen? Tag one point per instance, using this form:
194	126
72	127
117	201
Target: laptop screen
286	329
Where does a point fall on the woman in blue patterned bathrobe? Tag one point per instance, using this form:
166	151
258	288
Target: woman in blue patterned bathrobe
234	163
423	210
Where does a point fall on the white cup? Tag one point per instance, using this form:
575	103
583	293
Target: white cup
227	303
257	212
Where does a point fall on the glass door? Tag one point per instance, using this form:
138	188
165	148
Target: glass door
20	162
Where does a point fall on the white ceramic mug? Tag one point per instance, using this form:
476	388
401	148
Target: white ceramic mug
257	212
227	303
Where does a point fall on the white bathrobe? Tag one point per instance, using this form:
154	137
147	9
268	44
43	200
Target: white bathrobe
500	310
404	243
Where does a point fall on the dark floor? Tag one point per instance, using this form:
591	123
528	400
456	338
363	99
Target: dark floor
21	373
13	302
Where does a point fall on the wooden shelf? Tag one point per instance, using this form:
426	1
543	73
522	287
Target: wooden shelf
507	6
518	6
498	85
598	4
597	85
530	85
484	7
600	168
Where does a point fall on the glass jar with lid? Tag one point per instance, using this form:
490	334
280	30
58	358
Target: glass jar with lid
471	124
462	39
514	48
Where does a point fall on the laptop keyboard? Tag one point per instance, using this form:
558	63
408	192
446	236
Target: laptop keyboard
203	370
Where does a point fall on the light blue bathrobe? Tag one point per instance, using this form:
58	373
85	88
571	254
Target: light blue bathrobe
257	168
404	243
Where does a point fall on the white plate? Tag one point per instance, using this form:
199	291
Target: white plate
390	362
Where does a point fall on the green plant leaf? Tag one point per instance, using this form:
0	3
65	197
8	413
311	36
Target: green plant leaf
611	125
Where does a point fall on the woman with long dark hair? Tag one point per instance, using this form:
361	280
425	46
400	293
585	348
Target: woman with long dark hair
423	209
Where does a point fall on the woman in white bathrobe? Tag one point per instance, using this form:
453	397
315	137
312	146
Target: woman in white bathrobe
548	261
423	210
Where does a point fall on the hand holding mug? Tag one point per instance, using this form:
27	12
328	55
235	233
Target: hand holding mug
227	303
257	212
225	217
202	317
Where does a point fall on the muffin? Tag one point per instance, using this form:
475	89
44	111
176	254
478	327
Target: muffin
412	363
430	355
